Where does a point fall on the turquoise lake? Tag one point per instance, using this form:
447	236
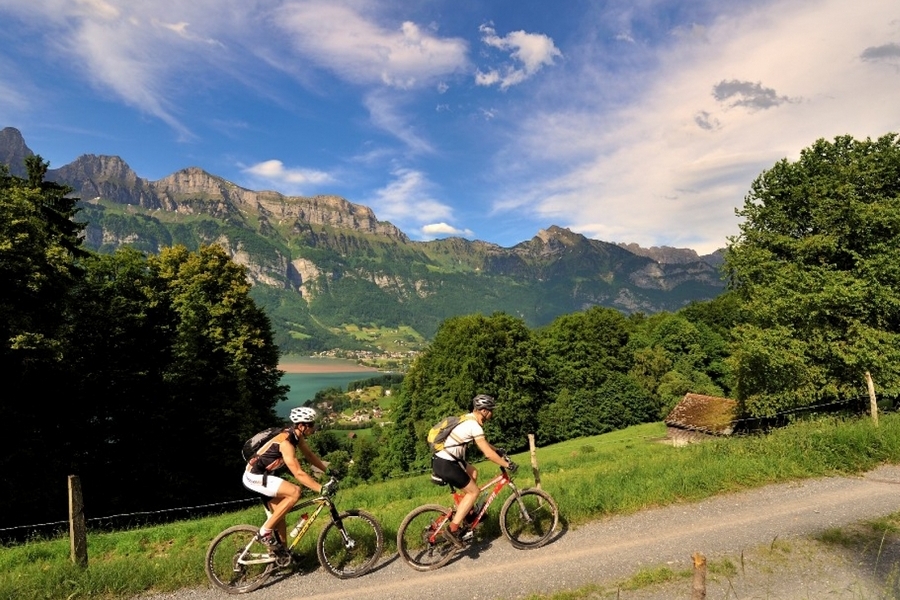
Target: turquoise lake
305	385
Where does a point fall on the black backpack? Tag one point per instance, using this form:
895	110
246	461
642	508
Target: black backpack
252	446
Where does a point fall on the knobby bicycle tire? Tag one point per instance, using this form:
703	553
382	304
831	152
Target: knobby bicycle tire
356	555
531	523
419	539
222	566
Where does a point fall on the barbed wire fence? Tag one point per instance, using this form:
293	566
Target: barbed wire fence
744	426
856	405
132	519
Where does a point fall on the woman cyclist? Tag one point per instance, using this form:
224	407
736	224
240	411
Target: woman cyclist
281	451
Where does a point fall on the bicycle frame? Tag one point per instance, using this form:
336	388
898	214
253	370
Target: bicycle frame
498	482
254	558
320	502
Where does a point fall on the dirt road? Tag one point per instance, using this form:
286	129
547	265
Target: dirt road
612	549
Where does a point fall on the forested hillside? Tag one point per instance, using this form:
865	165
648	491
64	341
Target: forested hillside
141	374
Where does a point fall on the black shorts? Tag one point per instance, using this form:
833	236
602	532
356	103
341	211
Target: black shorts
451	471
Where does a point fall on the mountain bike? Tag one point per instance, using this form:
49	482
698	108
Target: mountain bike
527	520
348	546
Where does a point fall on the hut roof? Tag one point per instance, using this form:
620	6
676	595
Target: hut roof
709	414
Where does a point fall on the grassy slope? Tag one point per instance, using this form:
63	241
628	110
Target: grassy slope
620	472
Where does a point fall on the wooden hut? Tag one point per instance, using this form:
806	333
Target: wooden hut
698	417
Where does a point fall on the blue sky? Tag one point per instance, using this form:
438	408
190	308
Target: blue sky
627	121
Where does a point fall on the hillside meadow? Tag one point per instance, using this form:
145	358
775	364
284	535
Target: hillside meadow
593	477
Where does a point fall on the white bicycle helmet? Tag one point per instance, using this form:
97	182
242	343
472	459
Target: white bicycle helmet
483	401
303	414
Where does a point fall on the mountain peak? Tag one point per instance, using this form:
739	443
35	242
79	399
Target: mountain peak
560	234
192	180
102	167
13	151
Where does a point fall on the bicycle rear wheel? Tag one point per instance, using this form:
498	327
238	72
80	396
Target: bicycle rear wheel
419	539
355	554
236	562
529	518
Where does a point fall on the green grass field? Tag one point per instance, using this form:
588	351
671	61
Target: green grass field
615	473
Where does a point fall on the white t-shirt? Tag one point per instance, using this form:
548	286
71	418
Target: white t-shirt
464	433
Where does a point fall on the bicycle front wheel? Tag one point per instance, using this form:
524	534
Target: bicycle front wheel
352	546
528	518
419	539
237	562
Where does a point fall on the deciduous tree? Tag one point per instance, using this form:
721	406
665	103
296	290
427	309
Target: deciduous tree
816	268
472	355
39	248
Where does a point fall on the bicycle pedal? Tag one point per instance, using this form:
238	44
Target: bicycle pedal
467	536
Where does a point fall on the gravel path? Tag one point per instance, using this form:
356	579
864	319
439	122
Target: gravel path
740	526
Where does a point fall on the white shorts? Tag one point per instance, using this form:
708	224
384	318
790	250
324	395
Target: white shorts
254	483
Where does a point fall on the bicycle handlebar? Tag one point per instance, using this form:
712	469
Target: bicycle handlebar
329	487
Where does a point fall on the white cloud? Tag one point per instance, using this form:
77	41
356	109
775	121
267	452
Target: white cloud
407	200
530	52
183	29
434	230
98	8
386	112
295	181
124	48
142	53
669	164
354	45
487	79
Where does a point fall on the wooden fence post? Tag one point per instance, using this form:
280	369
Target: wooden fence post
698	591
77	528
534	464
873	404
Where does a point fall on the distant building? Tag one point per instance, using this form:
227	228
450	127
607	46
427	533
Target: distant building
699	417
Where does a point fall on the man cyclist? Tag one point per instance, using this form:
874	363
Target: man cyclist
281	451
450	463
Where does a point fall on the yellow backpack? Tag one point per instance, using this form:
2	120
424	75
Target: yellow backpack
437	435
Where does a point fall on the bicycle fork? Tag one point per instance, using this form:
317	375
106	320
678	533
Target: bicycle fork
349	542
523	510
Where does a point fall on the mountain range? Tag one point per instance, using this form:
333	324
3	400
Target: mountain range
330	274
